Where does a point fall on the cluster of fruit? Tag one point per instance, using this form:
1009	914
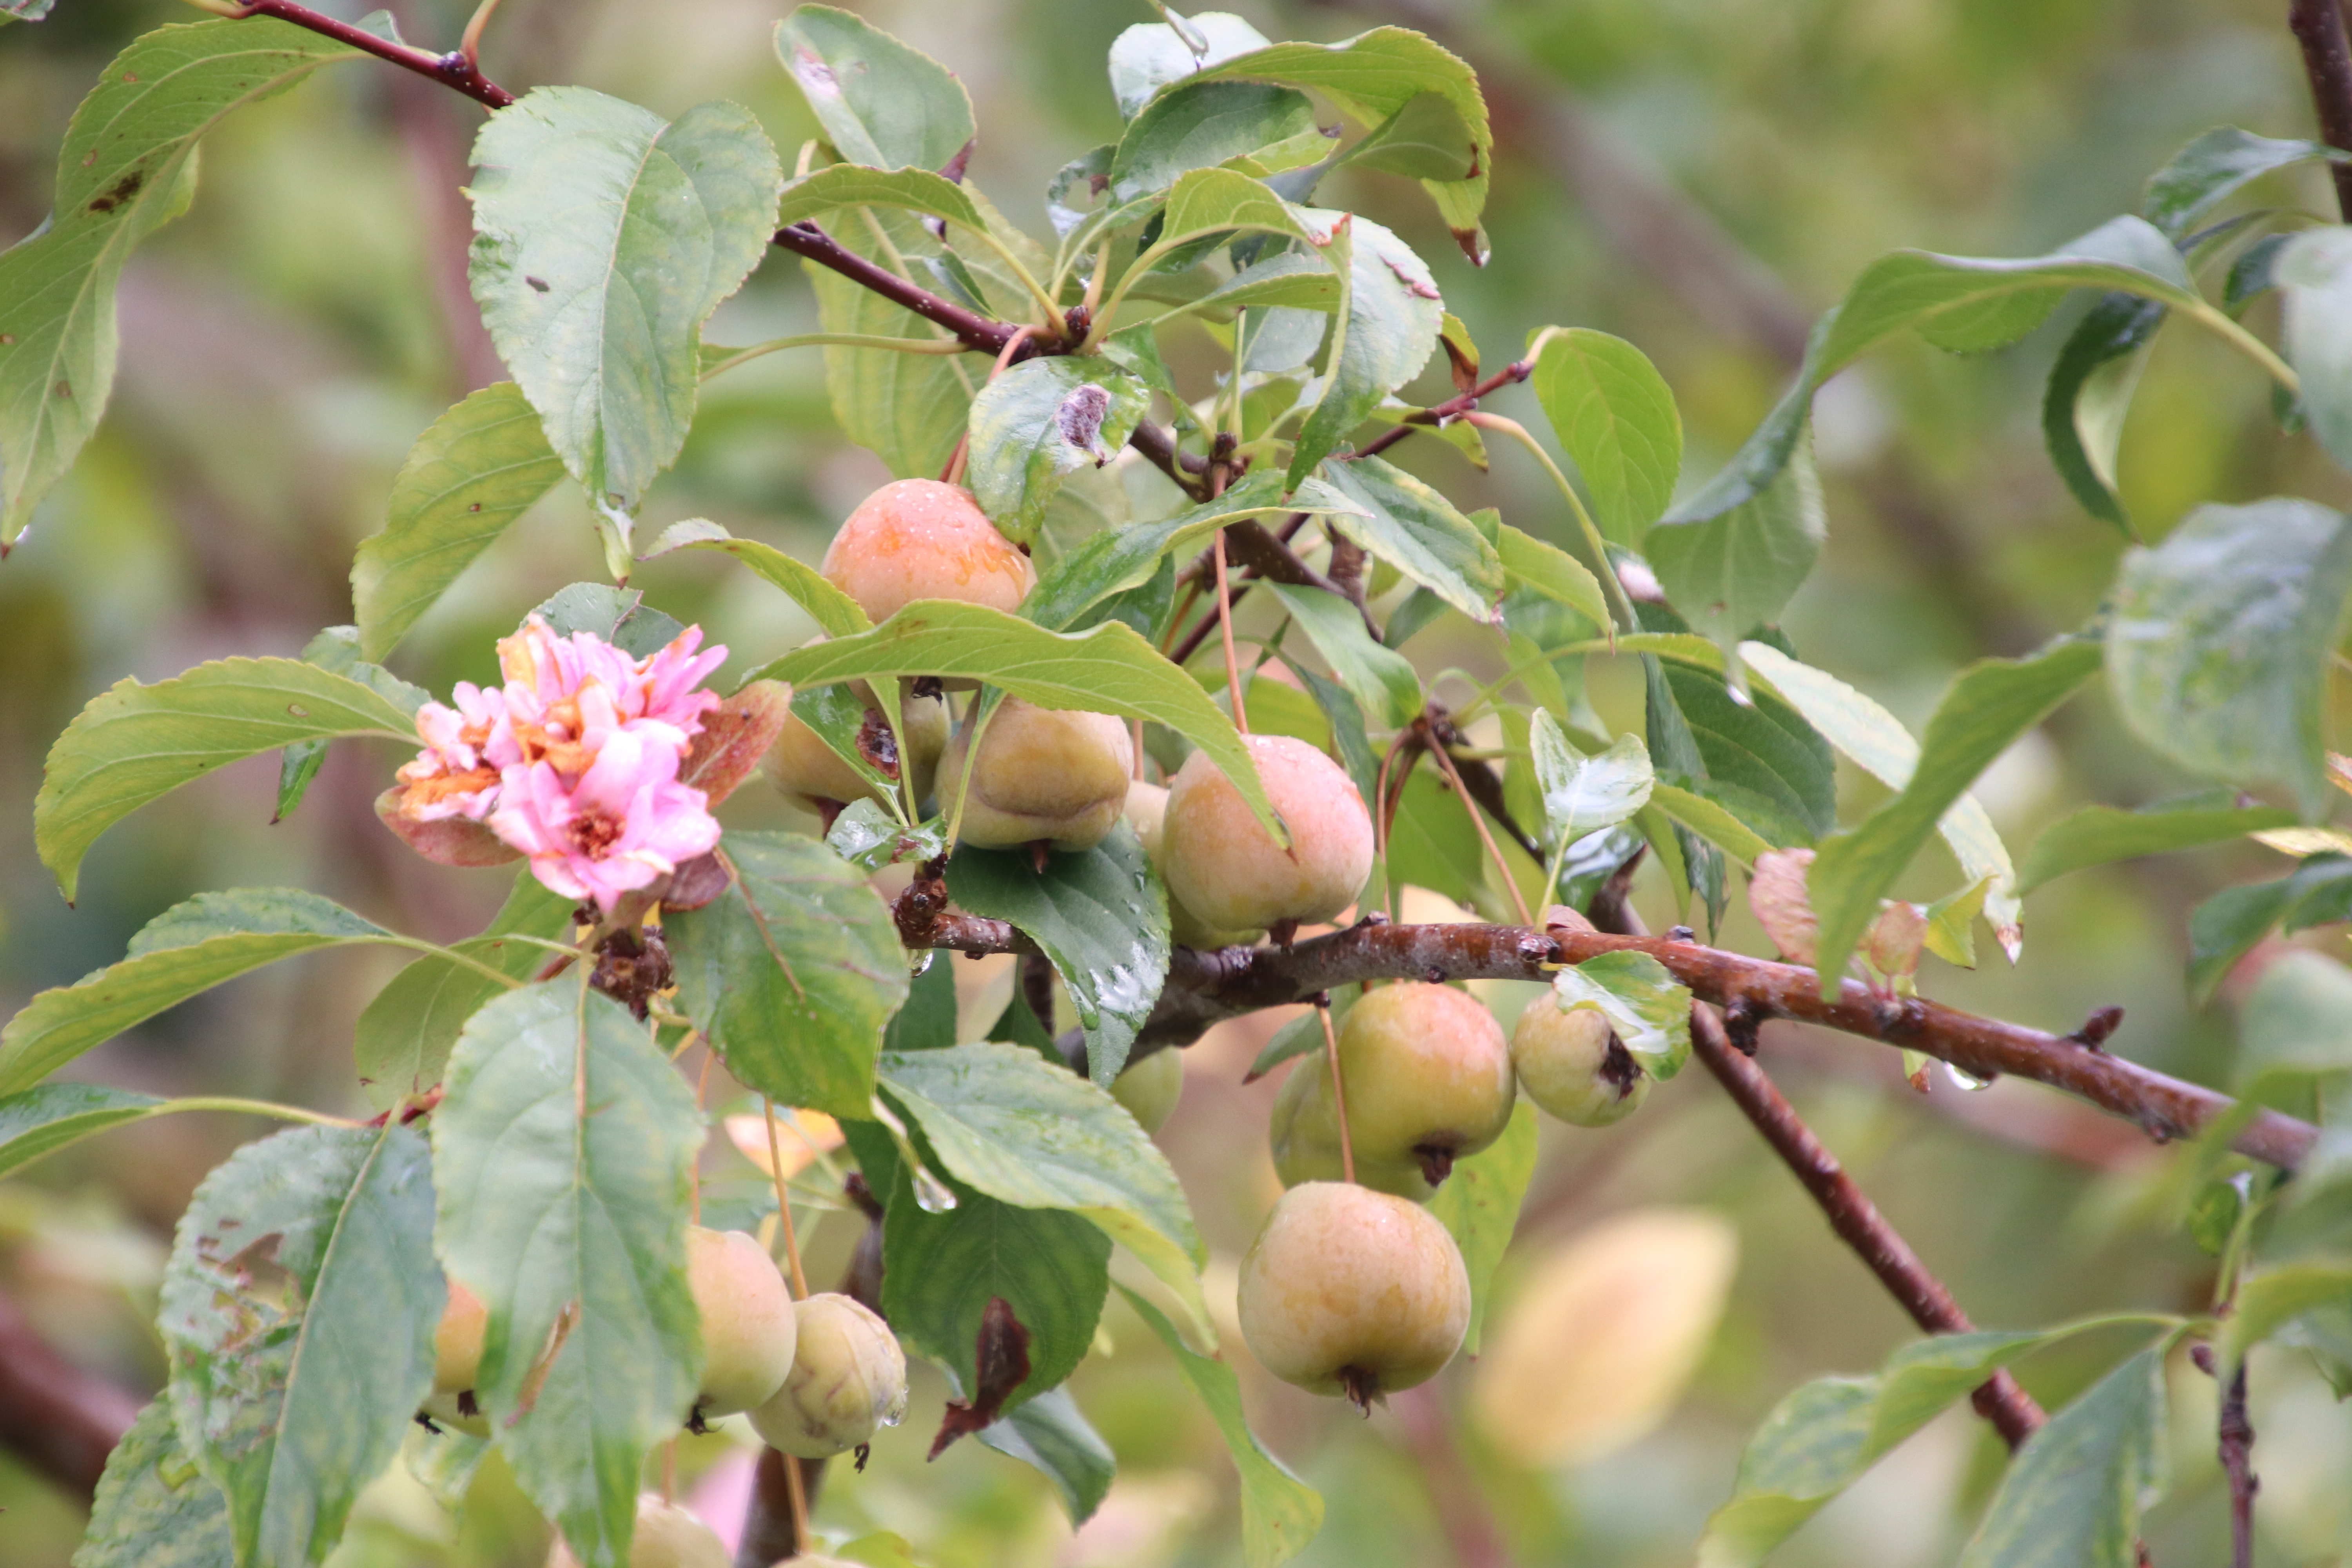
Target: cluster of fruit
817	1377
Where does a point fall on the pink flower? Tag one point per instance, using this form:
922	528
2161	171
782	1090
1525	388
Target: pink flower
624	823
455	775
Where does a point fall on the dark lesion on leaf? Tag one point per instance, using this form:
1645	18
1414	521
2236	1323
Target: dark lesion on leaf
878	745
1080	420
1001	1365
122	191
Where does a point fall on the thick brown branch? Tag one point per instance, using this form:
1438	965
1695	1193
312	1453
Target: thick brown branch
451	70
55	1417
1853	1217
2318	27
1205	989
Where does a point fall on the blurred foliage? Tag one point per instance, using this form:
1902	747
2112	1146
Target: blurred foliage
286	341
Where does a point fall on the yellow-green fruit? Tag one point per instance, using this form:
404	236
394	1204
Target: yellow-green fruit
1224	867
1043	773
1351	1291
457	1341
1147	813
848	1379
1573	1065
919	539
668	1536
1428	1080
804	767
747	1326
1304	1131
1151	1088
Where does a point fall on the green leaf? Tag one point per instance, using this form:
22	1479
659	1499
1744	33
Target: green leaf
480	467
2225	927
2089	393
908	408
1117	560
1713	821
1907	288
1291	279
1413	527
1529	563
1479	1204
1820	1440
154	1508
1372	77
1280	1513
1691	861
2100	835
1380	338
1425	140
336	649
1433	843
1766	749
1643	1003
563	1154
2075	1492
880	102
1877	743
619	616
136	743
126	168
604	237
1613	412
2269	1299
401	1041
2219	645
188	949
857	185
1040	422
1582	794
2296	1019
1100	914
1105	669
1381	679
1003	1120
43	1119
1200	124
297	1309
1052	1268
1049	1433
1988	705
1729	571
1150	54
792	972
2214	166
833	611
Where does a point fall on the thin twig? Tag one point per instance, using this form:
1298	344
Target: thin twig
797	1489
2237	1451
2318	27
454	70
1478	821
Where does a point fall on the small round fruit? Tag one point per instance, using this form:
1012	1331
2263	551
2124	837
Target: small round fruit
1428	1080
1351	1291
748	1325
1043	773
668	1536
919	539
1304	1131
804	767
457	1341
848	1379
1571	1063
1151	1088
1147	813
1224	867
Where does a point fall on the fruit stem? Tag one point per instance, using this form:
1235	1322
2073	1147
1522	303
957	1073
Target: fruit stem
1225	630
1339	1094
792	1251
670	1472
1478	821
798	1492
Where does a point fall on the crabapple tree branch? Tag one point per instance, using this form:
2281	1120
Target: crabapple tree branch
456	71
2318	27
1204	989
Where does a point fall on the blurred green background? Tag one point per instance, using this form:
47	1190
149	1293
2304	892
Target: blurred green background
1699	176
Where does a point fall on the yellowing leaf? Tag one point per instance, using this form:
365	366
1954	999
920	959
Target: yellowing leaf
1596	1345
801	1137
